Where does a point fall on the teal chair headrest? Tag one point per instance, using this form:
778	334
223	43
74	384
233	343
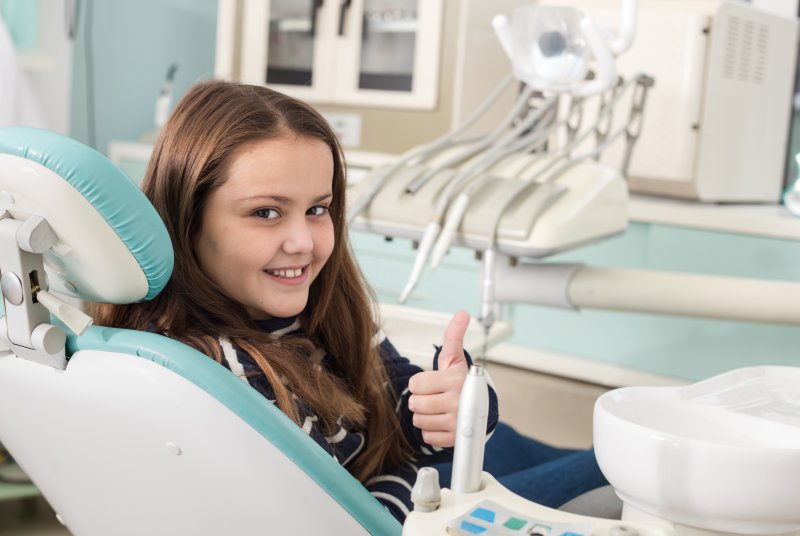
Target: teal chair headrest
113	246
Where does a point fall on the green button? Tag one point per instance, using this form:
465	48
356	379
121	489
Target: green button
515	523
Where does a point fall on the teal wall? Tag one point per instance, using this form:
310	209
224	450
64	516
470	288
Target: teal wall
134	42
128	45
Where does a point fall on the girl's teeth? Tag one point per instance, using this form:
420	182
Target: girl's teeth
286	273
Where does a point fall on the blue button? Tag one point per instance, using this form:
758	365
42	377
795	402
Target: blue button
472	528
571	534
483	513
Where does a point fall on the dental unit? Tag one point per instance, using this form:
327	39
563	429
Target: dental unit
718	457
550	49
546	191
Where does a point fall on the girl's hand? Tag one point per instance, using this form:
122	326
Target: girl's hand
435	393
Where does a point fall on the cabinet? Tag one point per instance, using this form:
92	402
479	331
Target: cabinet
348	52
406	71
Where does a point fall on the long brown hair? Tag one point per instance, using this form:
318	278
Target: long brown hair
190	160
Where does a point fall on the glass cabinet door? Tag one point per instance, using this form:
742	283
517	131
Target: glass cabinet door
394	46
388	40
286	44
290	46
381	53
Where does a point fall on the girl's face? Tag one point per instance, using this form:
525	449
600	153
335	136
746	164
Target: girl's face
266	232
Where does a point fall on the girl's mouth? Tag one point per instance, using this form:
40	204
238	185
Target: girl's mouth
289	276
286	273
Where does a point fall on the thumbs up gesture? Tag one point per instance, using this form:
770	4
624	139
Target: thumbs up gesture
435	394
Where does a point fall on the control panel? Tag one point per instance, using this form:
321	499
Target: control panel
493	510
491	519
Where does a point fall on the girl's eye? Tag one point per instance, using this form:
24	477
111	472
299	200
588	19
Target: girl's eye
317	210
266	213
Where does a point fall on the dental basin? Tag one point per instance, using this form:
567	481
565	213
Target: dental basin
719	455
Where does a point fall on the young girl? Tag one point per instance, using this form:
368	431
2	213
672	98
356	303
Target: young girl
250	184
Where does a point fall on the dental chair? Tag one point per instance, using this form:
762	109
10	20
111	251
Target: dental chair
125	432
131	433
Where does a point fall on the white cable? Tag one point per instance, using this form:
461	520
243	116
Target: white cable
490	157
422	151
497	133
472	170
458	208
627	27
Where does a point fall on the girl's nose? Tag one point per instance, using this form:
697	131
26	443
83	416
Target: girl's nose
299	238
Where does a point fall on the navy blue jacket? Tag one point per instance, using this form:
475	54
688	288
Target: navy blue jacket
392	489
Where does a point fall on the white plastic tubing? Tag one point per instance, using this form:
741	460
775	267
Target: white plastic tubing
578	286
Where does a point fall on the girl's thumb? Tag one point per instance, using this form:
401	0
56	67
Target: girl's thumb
453	346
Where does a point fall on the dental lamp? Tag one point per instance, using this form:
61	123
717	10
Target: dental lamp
550	49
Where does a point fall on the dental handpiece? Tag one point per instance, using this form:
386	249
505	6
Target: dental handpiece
473	414
425	246
487	288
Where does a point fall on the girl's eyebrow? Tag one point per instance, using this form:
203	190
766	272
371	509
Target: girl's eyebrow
282	200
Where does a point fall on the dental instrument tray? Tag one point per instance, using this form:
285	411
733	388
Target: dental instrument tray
586	203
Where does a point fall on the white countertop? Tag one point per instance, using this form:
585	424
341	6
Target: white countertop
771	221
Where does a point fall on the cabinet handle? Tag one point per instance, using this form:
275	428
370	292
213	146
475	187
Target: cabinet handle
315	5
343	7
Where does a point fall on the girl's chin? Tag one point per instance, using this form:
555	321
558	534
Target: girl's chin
284	311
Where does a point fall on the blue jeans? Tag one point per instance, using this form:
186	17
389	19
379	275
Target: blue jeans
540	473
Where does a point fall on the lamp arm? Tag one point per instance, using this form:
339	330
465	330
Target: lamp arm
627	27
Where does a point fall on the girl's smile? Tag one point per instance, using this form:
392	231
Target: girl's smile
289	276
